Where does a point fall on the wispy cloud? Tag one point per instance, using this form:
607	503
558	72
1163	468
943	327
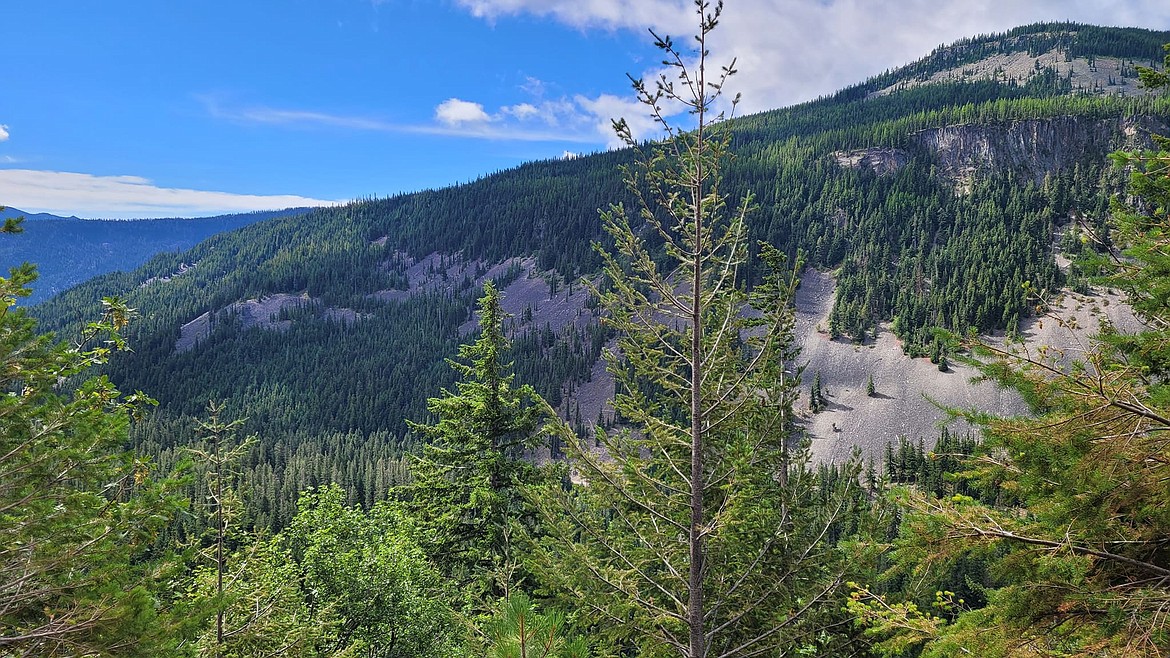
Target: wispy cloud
795	50
270	115
607	107
562	120
609	14
126	197
3	133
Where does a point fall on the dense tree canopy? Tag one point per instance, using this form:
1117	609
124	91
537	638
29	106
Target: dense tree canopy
692	525
907	253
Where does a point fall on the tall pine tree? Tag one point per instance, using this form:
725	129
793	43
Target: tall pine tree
696	531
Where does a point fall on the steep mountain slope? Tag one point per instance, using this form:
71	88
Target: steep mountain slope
931	200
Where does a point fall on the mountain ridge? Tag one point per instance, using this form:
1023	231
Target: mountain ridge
907	252
70	250
8	212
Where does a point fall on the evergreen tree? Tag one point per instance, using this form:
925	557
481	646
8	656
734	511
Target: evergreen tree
519	631
697	531
220	456
816	395
78	512
466	489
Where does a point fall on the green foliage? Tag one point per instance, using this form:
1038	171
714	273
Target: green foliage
696	529
326	397
1155	79
339	582
363	578
12	225
77	511
263	610
1068	513
519	631
465	492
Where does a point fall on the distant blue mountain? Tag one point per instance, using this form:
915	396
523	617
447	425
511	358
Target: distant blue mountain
13	212
68	250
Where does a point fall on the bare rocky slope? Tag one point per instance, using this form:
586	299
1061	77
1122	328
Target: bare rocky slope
910	394
1031	148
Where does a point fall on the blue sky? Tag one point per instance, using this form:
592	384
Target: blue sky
137	108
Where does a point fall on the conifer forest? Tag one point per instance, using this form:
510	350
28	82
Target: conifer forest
328	434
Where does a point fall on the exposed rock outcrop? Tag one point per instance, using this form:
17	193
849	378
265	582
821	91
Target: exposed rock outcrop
262	313
882	161
1034	147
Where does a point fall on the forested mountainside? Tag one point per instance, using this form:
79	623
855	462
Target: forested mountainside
68	250
933	204
694	521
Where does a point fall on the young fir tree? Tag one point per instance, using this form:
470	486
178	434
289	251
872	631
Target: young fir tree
697	531
466	489
1075	529
519	631
816	395
220	455
252	581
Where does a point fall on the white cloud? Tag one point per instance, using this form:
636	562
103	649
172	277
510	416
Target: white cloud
580	118
456	112
533	87
607	107
794	50
124	197
521	111
3	133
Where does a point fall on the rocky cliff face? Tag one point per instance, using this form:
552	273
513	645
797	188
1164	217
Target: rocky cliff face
881	161
1032	148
